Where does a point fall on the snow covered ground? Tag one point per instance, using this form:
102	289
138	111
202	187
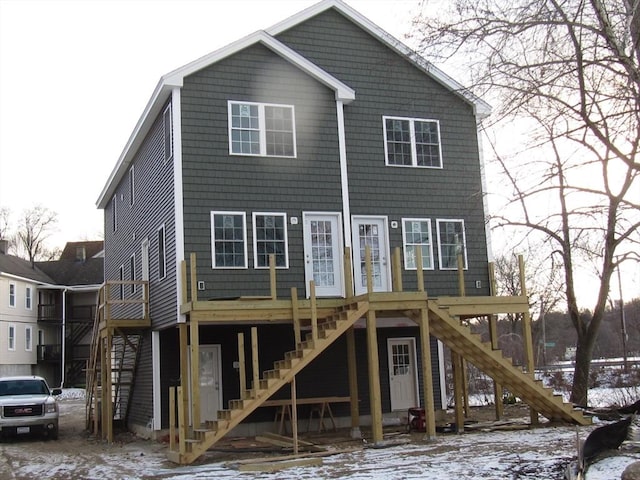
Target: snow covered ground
539	453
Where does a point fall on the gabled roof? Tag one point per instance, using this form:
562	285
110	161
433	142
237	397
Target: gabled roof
91	249
18	267
343	92
71	273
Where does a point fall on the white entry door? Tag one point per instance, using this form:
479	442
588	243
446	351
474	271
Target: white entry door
372	232
403	379
210	382
323	253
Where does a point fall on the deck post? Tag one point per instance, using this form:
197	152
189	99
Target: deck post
194	277
348	273
463	369
107	389
527	336
172	418
255	364
493	335
272	277
314	312
184	298
425	346
373	359
195	372
184	376
458	393
242	369
294	415
182	422
397	270
352	371
296	316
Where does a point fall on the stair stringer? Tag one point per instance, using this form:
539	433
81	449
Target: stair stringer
460	339
305	353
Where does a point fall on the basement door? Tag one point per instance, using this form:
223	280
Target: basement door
210	382
403	378
372	232
323	253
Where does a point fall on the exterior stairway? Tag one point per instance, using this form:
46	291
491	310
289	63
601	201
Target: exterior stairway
460	339
283	372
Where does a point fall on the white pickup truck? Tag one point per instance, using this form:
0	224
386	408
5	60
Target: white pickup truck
27	405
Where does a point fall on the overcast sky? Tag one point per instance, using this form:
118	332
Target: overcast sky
75	76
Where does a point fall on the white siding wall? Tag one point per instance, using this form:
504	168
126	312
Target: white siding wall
18	361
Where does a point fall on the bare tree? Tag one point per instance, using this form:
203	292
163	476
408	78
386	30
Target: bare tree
4	223
34	227
569	74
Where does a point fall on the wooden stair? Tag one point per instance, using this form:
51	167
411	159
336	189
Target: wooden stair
329	330
459	338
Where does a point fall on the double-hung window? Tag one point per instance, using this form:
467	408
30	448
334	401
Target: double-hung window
228	240
28	339
451	242
270	238
11	337
28	298
261	129
412	142
12	295
416	235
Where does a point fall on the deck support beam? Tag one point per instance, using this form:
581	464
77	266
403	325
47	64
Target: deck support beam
373	359
527	336
195	372
352	369
493	335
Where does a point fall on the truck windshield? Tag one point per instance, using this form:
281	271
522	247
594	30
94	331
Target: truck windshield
23	387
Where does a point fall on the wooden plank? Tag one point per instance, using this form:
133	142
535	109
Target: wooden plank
294	416
271	467
296	316
255	364
183	282
348	275
172	418
461	287
305	401
184	376
272	277
352	370
195	372
374	378
242	372
314	312
427	375
527	335
182	422
194	277
396	268
419	268
493	335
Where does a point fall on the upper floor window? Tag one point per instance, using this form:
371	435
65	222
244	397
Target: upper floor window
28	339
412	142
114	213
416	234
270	237
132	193
162	255
228	240
27	298
12	337
261	129
12	295
167	124
451	242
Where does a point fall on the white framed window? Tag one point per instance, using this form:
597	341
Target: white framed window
114	212
167	124
162	254
132	193
28	298
132	272
416	234
40	337
451	241
12	337
270	237
228	239
121	280
28	339
262	129
12	295
412	142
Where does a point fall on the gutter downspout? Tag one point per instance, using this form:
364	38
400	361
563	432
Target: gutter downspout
64	334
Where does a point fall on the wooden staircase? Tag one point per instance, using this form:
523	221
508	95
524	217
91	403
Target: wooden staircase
459	338
329	330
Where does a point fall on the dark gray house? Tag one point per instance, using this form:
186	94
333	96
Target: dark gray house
320	136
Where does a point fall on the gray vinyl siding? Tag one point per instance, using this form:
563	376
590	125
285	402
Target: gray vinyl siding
215	180
387	84
154	206
141	408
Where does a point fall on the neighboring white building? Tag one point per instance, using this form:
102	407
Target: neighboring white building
19	330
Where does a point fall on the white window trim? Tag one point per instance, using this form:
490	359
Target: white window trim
114	216
162	260
28	298
132	182
28	339
404	243
132	272
255	240
213	239
262	129
13	299
464	243
167	120
11	338
414	153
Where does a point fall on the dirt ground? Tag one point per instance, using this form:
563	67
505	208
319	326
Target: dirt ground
78	455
